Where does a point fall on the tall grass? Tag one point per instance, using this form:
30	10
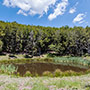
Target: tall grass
8	69
73	61
26	60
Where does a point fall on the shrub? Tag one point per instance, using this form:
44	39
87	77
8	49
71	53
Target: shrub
18	74
57	73
36	75
69	73
28	74
88	71
48	60
47	73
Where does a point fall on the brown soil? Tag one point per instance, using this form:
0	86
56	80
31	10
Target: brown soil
39	68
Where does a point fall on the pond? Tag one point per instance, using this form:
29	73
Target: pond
39	68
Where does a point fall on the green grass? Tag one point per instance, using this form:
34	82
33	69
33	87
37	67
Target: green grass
4	57
26	60
13	86
8	69
45	83
39	86
72	61
64	83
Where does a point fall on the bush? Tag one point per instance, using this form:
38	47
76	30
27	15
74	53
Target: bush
47	73
69	73
18	74
28	74
57	73
48	59
88	71
36	75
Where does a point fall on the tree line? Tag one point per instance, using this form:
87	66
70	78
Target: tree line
35	40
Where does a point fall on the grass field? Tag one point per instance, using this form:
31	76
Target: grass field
45	83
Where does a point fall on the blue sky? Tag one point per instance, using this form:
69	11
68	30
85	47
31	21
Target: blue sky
54	13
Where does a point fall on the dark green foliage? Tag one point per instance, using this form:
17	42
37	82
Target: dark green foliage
27	56
1	45
35	40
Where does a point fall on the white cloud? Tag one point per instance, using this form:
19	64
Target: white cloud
82	21
22	12
59	10
79	18
73	9
30	7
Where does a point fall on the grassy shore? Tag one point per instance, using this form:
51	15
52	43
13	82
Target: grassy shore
65	60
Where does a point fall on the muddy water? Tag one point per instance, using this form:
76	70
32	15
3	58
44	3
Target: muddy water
39	68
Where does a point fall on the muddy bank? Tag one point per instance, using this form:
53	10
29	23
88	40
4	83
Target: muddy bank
39	68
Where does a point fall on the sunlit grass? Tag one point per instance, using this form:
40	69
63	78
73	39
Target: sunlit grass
45	83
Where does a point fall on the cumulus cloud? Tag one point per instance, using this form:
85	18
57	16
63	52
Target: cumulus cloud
30	7
59	10
79	18
22	12
73	9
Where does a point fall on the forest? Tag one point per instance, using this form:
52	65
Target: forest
36	40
